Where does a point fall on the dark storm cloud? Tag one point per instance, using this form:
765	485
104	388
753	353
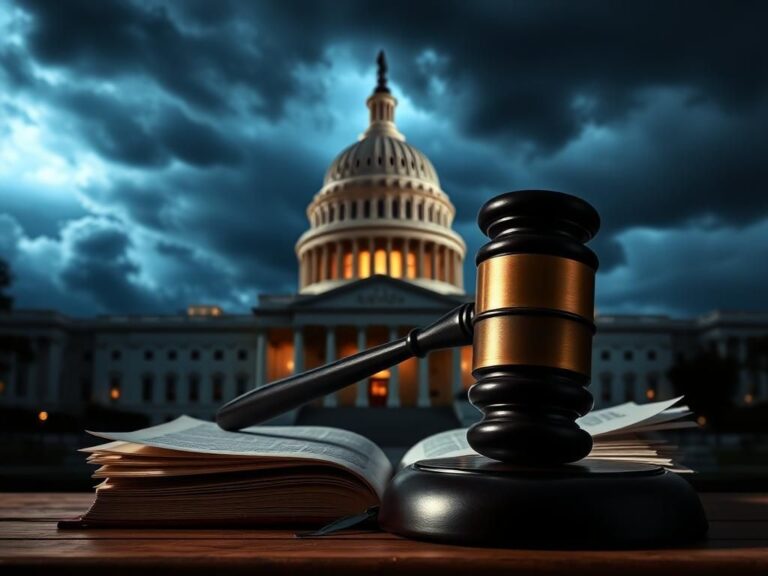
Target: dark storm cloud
654	111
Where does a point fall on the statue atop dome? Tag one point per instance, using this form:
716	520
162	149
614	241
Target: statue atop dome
381	73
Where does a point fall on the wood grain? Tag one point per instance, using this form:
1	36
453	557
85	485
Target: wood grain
31	543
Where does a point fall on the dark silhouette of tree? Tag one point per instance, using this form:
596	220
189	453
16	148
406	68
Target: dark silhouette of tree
708	382
6	278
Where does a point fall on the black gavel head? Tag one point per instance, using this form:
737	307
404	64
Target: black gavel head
533	328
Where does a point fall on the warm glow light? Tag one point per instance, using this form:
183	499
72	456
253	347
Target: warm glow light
347	265
42	415
411	265
381	375
650	393
464	364
378	388
749	398
289	365
364	267
114	393
380	261
396	264
701	420
204	311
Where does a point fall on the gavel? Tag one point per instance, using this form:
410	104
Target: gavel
531	330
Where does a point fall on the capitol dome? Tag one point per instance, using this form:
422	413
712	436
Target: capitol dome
381	211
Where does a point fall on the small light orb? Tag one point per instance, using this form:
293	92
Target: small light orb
42	415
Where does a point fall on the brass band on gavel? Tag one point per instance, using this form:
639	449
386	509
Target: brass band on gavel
536	310
533	328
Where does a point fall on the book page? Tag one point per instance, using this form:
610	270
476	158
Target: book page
621	419
338	447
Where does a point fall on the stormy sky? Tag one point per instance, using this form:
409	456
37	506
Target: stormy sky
155	154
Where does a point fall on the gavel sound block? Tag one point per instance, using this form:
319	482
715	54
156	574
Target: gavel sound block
531	328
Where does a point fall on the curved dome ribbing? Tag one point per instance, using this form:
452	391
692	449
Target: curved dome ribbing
381	211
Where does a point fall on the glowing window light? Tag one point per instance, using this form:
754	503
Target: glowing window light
347	265
411	265
380	261
42	415
114	393
396	264
364	267
701	420
650	393
289	365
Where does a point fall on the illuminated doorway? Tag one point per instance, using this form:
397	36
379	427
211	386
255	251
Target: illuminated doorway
378	389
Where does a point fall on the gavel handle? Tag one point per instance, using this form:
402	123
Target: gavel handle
453	329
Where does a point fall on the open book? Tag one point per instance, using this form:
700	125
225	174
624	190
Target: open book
190	472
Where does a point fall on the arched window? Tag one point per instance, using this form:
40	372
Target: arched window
242	383
380	208
629	386
396	208
367	209
217	387
430	214
342	212
420	214
353	211
408	211
194	387
606	385
147	387
170	387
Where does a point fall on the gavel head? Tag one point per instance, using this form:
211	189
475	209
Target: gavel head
533	328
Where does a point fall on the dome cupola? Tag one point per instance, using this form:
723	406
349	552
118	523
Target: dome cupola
381	211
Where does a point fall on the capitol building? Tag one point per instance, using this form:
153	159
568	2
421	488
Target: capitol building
379	258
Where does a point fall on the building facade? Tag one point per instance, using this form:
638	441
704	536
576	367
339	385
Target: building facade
379	258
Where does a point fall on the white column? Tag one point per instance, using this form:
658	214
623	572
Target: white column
261	359
420	261
323	263
433	256
339	260
406	242
362	386
298	349
355	256
330	355
393	398
456	357
459	272
423	401
447	265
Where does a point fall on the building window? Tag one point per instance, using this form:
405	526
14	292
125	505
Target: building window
342	212
606	384
217	391
242	384
408	210
149	355
242	354
380	208
170	388
367	209
194	387
114	387
628	355
605	355
353	210
629	387
396	208
651	354
218	355
116	354
147	387
172	354
194	355
420	212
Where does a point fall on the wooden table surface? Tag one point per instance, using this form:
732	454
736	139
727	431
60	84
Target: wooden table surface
31	543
